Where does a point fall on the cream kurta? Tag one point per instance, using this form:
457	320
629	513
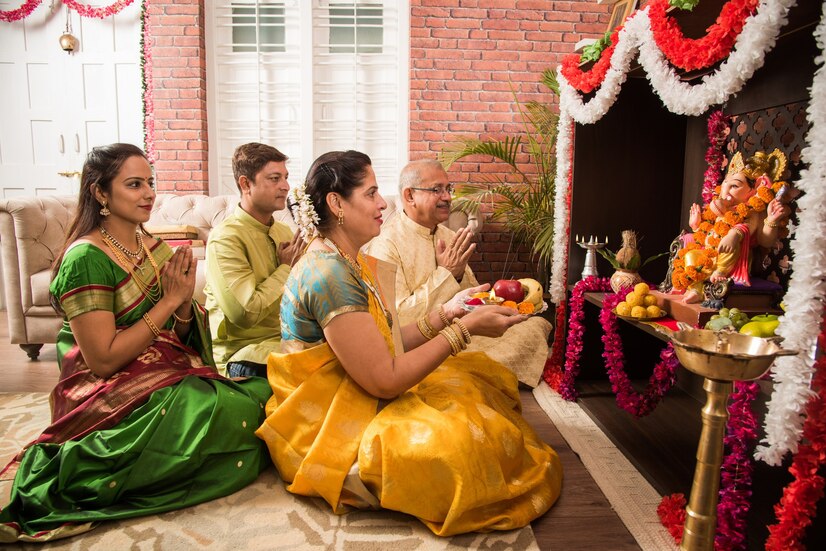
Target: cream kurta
422	285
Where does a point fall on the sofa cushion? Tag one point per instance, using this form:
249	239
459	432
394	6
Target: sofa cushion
40	287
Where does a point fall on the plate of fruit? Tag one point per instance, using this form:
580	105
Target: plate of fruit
523	295
639	305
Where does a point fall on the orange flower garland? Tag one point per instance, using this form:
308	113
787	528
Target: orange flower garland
709	233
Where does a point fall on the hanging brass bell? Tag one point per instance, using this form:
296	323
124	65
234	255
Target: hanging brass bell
68	43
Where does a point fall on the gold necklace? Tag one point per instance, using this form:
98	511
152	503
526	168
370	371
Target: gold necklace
136	255
152	292
363	274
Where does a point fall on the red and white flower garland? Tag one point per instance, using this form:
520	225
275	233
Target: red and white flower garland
798	505
699	53
717	126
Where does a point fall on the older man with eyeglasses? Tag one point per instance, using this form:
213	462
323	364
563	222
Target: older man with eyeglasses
433	266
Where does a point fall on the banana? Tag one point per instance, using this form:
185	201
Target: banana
533	291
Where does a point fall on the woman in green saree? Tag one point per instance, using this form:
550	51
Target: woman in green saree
141	421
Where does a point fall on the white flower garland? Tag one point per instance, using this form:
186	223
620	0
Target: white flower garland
807	289
304	214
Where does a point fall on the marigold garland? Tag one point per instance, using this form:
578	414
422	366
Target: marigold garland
22	12
716	45
798	506
707	236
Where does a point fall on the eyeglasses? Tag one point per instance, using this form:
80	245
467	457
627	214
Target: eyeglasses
436	190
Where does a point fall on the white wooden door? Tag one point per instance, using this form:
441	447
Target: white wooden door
55	106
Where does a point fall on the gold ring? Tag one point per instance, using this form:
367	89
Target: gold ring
186	272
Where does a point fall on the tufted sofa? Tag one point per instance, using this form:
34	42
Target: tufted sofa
33	229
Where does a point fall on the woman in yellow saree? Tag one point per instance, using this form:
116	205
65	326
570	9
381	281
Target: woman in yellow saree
366	414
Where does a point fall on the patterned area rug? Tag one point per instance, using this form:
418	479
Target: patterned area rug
261	516
631	496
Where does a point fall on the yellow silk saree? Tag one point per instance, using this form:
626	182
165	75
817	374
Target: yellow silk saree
453	450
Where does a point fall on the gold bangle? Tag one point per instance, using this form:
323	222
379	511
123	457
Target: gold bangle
770	224
151	324
452	340
459	337
443	315
182	321
463	328
425	328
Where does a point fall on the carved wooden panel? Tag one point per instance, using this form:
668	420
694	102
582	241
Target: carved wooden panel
783	127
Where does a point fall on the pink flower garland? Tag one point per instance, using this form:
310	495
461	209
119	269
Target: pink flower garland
798	506
661	381
573	348
98	13
148	84
20	13
691	54
735	482
717	127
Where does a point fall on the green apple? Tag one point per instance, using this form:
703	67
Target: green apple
760	328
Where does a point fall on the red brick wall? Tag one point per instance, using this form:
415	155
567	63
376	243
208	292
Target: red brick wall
465	57
179	75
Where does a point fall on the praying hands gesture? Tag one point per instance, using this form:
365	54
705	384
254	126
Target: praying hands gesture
454	257
290	251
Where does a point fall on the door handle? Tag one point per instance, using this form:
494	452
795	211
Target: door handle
77	143
61	145
69	174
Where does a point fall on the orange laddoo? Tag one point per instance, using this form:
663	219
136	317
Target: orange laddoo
525	307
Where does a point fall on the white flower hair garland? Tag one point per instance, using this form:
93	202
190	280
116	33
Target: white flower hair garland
304	214
807	288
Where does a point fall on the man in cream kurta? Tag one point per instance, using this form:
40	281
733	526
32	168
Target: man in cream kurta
433	266
248	259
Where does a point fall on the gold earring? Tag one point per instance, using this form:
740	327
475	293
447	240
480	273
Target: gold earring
340	217
104	211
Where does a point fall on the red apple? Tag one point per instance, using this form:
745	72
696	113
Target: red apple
509	289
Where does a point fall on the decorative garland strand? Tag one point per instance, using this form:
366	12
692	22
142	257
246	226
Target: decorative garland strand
717	126
798	505
716	45
662	378
22	12
147	84
83	10
807	288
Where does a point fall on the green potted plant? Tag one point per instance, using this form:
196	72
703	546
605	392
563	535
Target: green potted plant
525	207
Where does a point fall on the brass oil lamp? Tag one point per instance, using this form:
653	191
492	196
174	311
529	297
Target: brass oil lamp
720	358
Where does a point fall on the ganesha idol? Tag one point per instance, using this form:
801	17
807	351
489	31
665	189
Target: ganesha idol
746	212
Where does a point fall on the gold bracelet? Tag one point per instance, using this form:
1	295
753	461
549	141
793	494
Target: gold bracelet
452	340
182	321
770	224
465	333
151	324
443	315
425	328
